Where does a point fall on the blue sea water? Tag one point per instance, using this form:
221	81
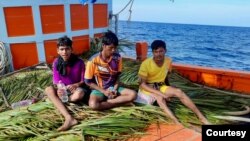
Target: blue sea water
211	46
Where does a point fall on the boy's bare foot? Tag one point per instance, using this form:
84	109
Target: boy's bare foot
67	124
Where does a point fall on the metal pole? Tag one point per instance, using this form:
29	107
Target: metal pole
116	24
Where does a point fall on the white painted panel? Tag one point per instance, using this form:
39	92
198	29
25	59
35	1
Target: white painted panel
3	28
67	19
41	52
91	20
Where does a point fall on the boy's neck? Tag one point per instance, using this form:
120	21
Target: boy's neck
104	57
159	62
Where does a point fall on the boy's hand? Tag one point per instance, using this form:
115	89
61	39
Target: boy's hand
60	92
72	87
110	94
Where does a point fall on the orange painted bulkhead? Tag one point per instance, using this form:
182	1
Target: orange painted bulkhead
52	18
79	20
50	50
20	22
79	42
100	15
23	52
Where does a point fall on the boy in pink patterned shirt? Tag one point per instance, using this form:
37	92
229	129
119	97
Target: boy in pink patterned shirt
68	69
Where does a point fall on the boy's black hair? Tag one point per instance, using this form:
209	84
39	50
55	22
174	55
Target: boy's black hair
110	38
64	41
157	44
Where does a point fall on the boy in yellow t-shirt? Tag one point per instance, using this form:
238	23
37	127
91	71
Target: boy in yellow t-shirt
153	75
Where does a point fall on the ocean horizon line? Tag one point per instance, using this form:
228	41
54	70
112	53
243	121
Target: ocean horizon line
193	24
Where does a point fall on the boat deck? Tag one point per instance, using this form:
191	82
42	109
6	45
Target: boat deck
169	132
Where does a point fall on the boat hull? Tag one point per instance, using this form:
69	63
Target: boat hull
225	79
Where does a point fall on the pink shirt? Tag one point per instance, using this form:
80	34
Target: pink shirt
75	73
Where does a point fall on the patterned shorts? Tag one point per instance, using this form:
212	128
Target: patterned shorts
146	97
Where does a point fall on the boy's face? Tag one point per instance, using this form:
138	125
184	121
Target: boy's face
159	54
109	49
64	52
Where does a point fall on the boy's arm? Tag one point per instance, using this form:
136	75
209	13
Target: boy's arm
167	80
96	87
116	85
78	84
169	71
56	75
88	79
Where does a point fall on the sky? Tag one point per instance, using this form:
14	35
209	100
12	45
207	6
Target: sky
203	12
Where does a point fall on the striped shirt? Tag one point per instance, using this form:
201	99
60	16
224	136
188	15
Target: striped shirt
104	74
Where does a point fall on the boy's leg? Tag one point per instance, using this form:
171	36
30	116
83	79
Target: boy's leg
69	120
149	98
97	101
125	96
77	95
174	92
163	105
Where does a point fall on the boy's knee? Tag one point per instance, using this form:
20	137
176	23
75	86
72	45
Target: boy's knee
160	99
133	95
49	90
93	105
179	93
80	94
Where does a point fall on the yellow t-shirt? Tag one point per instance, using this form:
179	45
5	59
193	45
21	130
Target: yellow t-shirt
153	73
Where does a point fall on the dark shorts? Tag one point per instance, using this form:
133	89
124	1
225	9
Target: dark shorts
87	92
99	94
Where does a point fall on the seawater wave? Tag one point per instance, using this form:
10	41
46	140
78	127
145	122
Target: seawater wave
211	46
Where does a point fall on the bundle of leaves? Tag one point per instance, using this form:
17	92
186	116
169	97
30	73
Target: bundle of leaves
40	121
27	84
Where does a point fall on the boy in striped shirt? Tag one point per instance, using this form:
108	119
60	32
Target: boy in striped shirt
102	75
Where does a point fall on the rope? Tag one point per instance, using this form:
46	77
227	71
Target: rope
130	11
4	62
117	14
131	1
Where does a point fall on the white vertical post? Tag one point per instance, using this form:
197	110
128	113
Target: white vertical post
38	33
91	19
3	27
67	19
7	47
4	37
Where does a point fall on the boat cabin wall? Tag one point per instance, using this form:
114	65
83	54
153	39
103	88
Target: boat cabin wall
30	28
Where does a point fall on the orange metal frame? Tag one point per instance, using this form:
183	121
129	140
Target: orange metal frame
20	23
220	78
